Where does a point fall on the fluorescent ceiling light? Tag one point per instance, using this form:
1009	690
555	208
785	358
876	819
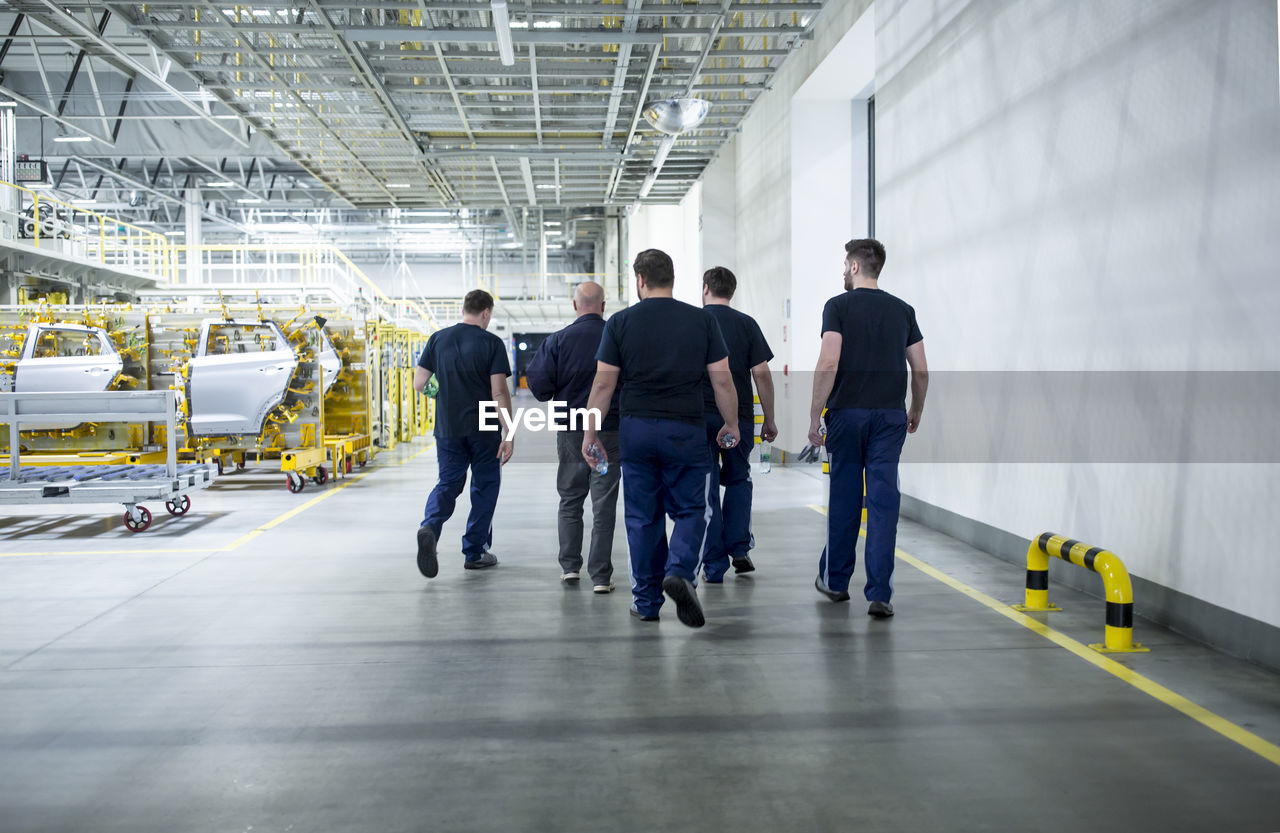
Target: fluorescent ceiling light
527	173
77	138
144	222
664	147
545	187
502	28
220	183
249	201
550	223
175	234
547	24
399	185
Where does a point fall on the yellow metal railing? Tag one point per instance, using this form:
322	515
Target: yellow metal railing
80	232
1115	582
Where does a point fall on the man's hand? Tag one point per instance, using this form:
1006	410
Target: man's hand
727	431
816	437
769	431
505	449
913	420
590	438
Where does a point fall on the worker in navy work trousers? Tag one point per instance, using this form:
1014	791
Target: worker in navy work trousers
660	350
729	538
562	370
471	366
869	338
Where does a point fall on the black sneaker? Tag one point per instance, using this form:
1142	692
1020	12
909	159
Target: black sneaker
486	560
427	563
643	617
683	593
880	610
841	596
743	565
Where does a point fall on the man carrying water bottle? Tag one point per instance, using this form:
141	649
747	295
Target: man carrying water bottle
729	537
660	349
563	370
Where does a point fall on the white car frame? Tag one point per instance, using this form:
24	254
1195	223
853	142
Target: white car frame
231	390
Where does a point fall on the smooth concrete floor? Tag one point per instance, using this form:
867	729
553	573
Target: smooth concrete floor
307	678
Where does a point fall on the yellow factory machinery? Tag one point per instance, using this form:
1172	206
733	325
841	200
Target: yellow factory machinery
316	388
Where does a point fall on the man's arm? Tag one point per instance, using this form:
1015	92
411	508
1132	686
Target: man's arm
824	379
541	372
498	389
919	384
726	398
764	389
420	377
601	395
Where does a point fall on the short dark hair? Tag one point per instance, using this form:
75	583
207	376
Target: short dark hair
869	253
655	266
476	302
720	281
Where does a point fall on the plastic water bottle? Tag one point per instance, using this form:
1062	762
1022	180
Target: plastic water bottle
765	454
602	465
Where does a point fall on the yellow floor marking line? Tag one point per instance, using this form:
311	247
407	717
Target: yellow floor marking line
243	539
1146	685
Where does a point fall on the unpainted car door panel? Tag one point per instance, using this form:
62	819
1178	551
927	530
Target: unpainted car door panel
235	382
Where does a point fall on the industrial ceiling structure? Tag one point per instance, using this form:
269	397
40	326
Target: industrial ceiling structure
360	114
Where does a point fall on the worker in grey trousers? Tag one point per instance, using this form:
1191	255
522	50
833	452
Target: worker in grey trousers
562	370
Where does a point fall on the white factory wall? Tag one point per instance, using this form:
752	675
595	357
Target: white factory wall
1091	186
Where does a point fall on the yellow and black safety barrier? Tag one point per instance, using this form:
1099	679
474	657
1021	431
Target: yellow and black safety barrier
1117	587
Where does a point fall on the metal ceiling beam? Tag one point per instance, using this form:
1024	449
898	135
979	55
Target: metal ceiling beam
549	36
136	65
45	111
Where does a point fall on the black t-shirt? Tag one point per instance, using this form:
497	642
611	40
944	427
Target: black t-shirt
663	347
747	348
876	328
462	358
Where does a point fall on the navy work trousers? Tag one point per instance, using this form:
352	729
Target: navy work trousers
729	530
455	455
863	443
666	470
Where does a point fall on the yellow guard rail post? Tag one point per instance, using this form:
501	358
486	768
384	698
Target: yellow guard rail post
1115	582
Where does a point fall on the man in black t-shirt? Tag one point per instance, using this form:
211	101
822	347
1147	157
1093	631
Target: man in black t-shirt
661	349
729	537
472	367
869	337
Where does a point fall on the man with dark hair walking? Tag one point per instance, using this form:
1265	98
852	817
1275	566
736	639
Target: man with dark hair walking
729	537
661	349
869	338
563	370
472	367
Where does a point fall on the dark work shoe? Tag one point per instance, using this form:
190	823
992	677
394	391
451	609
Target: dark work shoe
743	565
841	596
880	610
427	564
643	617
486	560
685	595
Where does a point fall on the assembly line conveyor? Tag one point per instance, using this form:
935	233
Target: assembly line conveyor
126	484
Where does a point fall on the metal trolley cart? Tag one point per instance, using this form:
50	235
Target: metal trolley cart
90	483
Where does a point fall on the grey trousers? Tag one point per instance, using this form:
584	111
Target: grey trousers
574	480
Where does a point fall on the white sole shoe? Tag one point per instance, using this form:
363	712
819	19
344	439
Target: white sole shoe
570	578
602	588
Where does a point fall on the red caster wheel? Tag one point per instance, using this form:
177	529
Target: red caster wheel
294	482
179	506
322	476
347	465
143	521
